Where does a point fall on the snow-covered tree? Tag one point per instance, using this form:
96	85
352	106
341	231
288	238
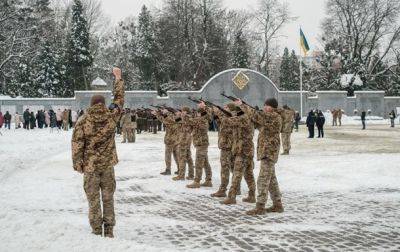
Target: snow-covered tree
240	51
79	54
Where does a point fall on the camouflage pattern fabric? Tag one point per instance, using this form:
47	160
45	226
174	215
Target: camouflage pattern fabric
287	120
199	125
171	129
128	128
267	182
169	151
243	166
185	157
102	179
202	163
227	161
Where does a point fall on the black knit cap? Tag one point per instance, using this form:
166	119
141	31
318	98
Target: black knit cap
272	102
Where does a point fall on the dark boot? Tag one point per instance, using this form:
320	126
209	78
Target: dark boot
166	172
97	231
259	210
251	198
108	231
277	207
219	194
190	177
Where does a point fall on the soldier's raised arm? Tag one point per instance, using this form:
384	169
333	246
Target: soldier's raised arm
119	94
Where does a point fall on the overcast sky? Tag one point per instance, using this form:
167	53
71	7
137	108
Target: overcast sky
309	14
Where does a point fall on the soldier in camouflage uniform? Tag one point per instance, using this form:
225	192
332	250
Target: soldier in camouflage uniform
225	139
170	139
94	154
200	125
287	115
268	152
243	152
127	126
185	141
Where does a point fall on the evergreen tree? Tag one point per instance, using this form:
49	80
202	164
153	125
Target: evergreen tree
285	72
240	51
145	46
79	55
23	83
294	72
48	76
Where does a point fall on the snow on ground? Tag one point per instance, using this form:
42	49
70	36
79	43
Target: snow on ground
341	193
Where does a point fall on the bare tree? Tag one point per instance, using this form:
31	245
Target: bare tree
270	18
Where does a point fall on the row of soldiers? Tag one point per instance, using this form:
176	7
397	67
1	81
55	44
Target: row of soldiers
237	123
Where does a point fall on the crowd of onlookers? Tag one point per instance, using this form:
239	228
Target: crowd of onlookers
59	119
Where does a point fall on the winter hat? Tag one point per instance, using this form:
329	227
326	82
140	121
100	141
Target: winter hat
272	102
97	99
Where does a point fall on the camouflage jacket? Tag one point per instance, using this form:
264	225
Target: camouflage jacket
171	129
185	132
243	133
269	142
287	120
93	142
225	131
200	129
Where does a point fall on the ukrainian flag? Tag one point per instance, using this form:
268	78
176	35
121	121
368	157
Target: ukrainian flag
303	42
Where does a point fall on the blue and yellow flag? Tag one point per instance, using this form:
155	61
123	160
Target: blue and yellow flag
303	42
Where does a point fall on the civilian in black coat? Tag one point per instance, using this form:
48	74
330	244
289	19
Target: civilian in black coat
320	124
311	123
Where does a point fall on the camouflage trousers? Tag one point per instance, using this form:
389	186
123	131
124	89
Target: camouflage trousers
128	134
243	167
267	182
202	163
100	183
169	151
185	157
286	142
227	161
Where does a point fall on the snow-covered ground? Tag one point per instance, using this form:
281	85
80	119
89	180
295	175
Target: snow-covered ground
341	193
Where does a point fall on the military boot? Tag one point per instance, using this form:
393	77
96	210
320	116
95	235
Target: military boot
190	177
285	153
229	201
251	198
108	231
207	183
177	178
97	231
221	193
194	185
277	207
176	173
259	210
166	172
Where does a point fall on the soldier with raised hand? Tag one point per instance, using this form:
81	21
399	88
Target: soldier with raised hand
170	139
268	152
185	141
287	128
200	124
243	153
94	154
225	140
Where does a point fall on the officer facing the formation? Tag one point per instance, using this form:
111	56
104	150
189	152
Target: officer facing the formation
128	125
268	152
287	128
94	154
170	139
200	125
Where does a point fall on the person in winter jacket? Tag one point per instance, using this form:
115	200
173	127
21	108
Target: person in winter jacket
7	120
1	120
363	117
59	118
32	120
297	120
392	116
53	120
46	119
26	118
17	119
74	118
320	124
311	123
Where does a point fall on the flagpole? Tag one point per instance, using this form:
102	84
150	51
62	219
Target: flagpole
301	81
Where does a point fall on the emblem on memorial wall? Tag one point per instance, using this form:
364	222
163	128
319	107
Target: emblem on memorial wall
241	80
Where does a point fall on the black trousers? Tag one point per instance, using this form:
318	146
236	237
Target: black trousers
321	131
311	131
363	124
